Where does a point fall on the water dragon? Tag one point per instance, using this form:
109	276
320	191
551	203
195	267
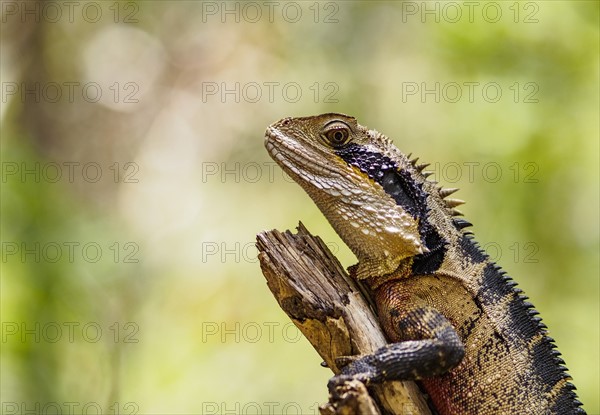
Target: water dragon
455	321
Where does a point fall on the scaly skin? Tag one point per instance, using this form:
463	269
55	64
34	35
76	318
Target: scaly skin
455	321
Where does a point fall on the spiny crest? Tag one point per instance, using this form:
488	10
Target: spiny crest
454	202
447	192
548	364
419	167
422	166
461	223
451	203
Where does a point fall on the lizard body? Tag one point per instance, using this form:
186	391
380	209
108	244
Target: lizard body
455	321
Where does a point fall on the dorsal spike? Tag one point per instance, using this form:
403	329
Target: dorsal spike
456	212
524	298
447	192
427	173
454	202
462	223
422	166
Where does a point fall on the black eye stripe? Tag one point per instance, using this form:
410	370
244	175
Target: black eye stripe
407	193
397	183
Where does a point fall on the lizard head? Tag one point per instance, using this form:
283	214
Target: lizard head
360	181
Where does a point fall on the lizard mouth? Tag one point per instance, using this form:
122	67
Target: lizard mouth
279	147
310	166
290	154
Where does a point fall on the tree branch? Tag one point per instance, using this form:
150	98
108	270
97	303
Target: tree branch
315	291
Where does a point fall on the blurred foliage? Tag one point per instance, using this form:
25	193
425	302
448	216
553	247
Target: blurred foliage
186	322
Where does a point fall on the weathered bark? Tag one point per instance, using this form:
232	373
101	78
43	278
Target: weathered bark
315	291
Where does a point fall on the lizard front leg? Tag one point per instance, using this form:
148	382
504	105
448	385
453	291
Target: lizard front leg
426	345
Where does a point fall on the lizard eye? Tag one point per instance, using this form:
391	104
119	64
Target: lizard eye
338	135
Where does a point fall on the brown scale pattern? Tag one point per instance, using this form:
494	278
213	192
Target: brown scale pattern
499	374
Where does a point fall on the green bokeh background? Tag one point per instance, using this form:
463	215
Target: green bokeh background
187	324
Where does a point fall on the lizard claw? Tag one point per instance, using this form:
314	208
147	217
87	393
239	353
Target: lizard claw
354	368
344	361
